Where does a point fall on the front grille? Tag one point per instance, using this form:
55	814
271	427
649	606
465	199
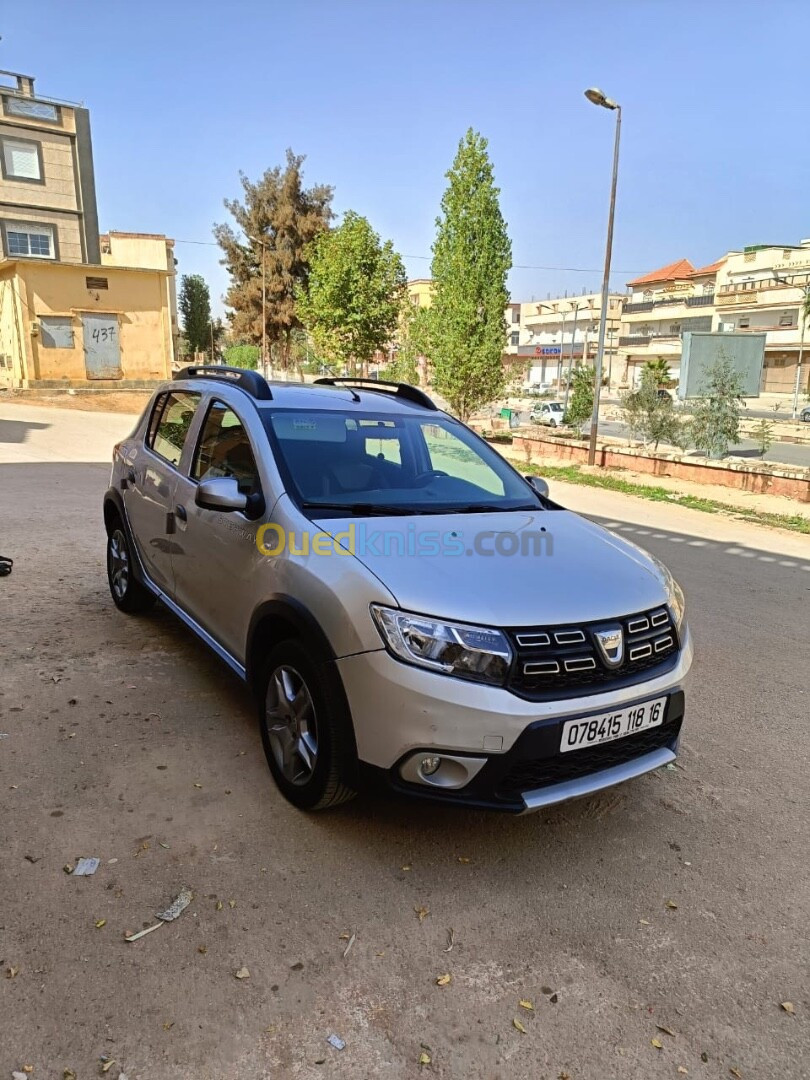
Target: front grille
528	775
556	661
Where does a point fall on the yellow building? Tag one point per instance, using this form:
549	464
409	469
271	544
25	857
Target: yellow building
76	308
420	292
74	325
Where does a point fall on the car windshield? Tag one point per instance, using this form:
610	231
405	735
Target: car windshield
364	463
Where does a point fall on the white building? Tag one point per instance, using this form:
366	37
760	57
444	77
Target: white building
548	336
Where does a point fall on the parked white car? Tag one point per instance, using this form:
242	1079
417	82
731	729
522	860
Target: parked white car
550	412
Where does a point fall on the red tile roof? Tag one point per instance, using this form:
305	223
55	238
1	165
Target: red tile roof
712	268
675	271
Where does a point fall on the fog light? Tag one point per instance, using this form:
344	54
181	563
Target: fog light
429	765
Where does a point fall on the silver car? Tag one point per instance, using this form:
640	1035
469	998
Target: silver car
410	611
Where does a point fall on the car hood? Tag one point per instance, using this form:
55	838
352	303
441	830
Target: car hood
435	564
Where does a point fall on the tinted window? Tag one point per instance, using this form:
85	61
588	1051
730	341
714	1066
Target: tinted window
224	450
170	424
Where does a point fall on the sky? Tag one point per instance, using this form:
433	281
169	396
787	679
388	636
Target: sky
185	94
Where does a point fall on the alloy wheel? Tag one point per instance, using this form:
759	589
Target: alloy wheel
291	725
119	564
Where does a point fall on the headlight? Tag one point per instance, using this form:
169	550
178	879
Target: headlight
470	652
677	604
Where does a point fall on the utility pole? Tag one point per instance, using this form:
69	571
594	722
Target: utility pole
805	291
263	242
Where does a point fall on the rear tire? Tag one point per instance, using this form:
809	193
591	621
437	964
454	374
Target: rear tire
128	594
306	728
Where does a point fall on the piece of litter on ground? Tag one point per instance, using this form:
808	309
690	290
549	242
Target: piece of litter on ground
177	906
518	1026
17	1075
99	923
86	867
421	913
683	1071
111	862
3	734
525	1004
735	1072
451	939
788	1007
107	1065
143	933
163	845
336	1041
425	1058
657	1044
444	980
352	940
672	905
242	973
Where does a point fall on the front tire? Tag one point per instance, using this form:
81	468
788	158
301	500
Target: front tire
306	729
128	594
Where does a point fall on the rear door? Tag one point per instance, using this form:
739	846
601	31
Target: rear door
102	345
152	480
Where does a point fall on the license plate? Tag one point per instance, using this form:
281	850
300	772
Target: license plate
594	730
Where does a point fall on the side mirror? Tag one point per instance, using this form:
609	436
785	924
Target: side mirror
221	494
539	485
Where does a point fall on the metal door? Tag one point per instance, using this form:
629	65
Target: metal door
102	347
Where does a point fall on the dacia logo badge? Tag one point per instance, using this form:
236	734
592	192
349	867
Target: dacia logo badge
611	645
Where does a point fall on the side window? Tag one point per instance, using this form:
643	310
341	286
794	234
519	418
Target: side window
450	455
224	450
170	423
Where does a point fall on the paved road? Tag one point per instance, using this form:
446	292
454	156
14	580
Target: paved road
128	741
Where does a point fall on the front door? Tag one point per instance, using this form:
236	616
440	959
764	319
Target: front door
102	347
151	483
217	556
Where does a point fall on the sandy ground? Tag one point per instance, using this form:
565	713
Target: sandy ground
679	900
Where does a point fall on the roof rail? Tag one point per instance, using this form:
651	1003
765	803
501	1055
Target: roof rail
402	390
249	381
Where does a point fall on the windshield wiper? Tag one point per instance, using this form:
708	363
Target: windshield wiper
491	508
361	509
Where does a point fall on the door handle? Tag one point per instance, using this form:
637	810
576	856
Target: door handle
180	513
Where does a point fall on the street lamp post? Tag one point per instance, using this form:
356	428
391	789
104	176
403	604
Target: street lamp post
805	291
263	243
597	97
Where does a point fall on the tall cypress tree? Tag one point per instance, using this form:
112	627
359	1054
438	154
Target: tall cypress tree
195	309
471	257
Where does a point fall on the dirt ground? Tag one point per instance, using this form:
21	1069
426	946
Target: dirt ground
109	401
654	929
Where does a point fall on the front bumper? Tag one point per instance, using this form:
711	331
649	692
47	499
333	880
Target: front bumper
512	744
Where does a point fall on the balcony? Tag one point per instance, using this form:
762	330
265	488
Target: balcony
700	301
634	340
641	305
743	296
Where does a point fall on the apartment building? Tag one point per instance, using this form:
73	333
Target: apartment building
545	337
760	289
76	308
660	307
47	192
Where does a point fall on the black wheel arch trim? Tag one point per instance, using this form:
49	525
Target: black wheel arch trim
289	610
112	498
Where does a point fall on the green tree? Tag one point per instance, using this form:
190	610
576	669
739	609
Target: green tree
715	423
411	347
471	257
279	218
650	418
763	436
243	356
580	398
354	295
659	369
195	311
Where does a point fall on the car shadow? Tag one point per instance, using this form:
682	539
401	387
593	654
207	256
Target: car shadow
16	431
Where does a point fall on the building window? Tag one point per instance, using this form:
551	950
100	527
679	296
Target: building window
32	110
675	328
647	295
36	241
514	337
515	315
22	160
708	288
56	331
96	283
743	323
787	319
